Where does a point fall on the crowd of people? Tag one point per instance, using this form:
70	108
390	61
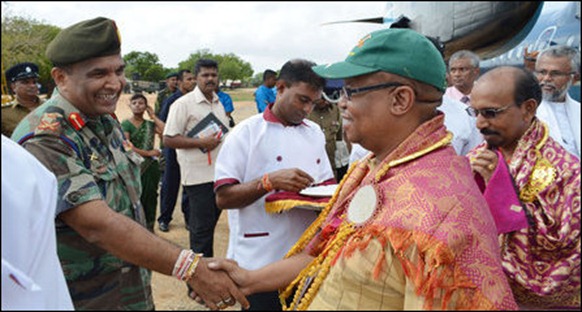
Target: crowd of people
463	189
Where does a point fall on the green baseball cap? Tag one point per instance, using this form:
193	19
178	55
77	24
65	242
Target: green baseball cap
84	40
402	52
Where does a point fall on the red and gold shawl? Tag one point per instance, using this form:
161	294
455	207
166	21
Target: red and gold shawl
543	260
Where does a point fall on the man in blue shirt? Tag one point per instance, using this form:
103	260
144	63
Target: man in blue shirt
264	94
226	101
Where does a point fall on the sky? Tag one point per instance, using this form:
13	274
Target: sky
265	34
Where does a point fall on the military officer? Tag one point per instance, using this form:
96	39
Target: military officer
104	248
23	80
171	87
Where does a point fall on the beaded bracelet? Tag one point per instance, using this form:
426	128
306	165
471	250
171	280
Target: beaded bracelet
186	265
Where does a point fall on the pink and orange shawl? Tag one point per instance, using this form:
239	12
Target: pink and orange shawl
427	201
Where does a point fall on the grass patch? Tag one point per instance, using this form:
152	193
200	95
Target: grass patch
241	94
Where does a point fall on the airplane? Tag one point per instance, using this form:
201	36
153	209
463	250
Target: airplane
499	32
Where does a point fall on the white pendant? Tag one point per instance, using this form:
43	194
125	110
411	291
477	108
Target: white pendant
363	205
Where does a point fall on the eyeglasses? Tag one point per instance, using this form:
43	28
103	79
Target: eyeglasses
488	113
553	73
348	92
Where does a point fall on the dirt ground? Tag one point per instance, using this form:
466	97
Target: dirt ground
169	293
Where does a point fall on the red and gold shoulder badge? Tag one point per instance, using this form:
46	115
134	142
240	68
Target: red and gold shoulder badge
76	121
49	122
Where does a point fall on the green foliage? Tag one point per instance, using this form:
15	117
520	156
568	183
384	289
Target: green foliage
144	66
230	66
25	40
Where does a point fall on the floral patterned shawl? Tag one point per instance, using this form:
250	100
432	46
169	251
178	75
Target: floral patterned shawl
543	260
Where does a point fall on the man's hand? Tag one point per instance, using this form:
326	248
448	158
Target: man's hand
485	164
238	275
216	288
292	180
211	142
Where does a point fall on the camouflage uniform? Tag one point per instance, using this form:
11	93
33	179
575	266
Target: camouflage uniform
92	161
329	119
12	113
162	96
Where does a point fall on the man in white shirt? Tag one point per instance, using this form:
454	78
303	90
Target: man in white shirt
463	71
557	68
32	277
197	166
279	149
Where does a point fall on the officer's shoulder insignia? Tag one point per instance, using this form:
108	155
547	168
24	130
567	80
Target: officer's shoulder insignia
49	123
76	121
7	104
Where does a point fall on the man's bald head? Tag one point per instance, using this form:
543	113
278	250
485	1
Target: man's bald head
522	83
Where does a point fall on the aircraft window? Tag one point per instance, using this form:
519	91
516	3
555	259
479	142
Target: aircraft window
510	54
521	51
570	41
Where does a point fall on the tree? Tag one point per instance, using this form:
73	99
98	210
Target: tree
26	40
144	65
230	66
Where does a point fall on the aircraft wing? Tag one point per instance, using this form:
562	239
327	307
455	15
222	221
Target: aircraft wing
482	27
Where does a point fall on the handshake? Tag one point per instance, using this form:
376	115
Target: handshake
216	283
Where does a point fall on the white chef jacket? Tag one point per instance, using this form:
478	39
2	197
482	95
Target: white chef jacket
258	145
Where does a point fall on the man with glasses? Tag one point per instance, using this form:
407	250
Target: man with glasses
463	71
557	69
532	185
407	229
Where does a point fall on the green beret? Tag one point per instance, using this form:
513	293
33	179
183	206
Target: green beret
170	75
87	39
403	52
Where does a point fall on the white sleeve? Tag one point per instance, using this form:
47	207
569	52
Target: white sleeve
231	162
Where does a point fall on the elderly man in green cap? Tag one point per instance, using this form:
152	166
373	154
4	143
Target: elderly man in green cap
103	245
407	229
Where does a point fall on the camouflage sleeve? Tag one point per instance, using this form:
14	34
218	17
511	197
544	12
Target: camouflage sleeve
76	182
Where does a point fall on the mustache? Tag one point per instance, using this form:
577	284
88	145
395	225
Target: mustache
547	84
486	131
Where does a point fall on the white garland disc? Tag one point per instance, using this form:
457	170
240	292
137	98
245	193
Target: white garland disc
363	205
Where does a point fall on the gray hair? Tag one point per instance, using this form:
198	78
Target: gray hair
564	51
465	54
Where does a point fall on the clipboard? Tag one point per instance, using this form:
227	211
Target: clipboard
207	126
